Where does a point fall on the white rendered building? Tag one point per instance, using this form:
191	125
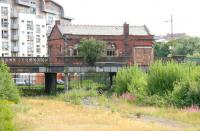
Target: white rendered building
5	32
25	26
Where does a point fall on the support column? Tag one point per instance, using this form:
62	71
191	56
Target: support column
66	82
50	83
112	74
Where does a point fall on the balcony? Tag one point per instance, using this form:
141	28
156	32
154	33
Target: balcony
14	14
14	26
15	49
28	3
15	37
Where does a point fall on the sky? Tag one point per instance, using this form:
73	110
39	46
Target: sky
152	13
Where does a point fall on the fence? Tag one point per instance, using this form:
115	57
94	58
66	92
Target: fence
89	80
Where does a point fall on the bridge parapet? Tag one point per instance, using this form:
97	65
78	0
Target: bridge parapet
25	61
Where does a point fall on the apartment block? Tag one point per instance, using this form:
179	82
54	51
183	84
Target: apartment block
26	25
5	32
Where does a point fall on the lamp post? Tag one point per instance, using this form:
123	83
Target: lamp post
172	26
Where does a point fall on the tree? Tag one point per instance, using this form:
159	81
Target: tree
185	45
91	50
8	90
161	49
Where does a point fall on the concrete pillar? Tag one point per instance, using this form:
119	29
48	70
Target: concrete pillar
50	83
112	74
66	82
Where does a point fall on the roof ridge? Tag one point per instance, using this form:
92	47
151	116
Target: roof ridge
94	25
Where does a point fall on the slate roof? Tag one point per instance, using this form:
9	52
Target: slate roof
101	30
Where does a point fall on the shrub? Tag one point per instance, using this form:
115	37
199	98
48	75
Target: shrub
6	116
162	76
131	80
186	93
8	91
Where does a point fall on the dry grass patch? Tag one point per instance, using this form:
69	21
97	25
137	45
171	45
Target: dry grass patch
51	115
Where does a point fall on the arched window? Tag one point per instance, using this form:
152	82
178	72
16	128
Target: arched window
111	49
75	50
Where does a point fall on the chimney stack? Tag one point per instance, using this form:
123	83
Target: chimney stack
126	29
57	22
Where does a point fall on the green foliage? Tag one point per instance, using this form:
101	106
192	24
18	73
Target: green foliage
162	76
6	116
185	45
8	90
86	84
132	79
161	49
76	95
186	93
154	100
91	50
165	84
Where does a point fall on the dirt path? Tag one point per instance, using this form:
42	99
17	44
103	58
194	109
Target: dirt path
51	115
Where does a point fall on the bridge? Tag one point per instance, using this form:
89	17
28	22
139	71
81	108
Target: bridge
65	64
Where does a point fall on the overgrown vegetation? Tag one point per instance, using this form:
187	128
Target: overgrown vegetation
91	50
165	84
8	90
75	96
6	116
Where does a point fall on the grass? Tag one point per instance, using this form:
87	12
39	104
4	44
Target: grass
45	114
172	113
65	112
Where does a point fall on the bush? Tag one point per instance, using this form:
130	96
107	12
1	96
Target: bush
8	90
162	76
131	80
186	93
6	116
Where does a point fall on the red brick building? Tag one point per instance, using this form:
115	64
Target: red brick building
133	41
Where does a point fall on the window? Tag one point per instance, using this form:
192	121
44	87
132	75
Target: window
5	46
29	25
4	22
30	36
38	40
22	21
38	30
32	10
38	50
50	20
111	50
4	11
4	34
75	50
30	47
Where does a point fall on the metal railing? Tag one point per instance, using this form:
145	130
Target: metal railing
25	61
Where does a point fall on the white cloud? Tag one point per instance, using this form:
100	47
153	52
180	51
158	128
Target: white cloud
153	13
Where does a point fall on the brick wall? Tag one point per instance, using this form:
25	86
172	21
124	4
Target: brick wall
138	47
